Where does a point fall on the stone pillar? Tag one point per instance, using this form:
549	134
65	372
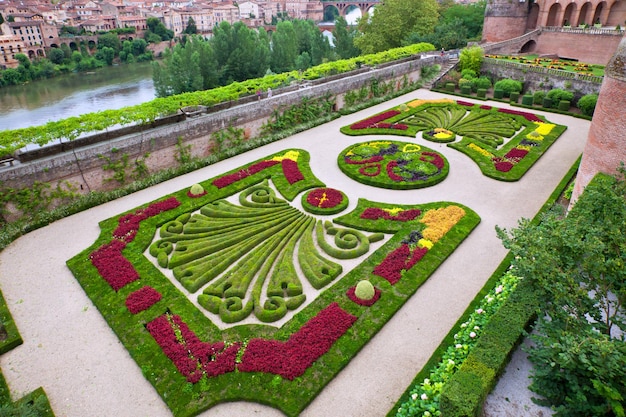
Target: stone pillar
606	144
505	19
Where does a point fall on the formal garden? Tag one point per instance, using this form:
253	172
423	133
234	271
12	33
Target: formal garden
259	284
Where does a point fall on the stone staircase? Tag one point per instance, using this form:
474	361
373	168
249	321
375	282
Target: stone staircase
446	66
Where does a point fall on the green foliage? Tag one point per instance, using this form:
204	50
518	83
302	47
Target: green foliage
576	267
468	74
343	39
117	165
471	58
156	28
558	95
284	47
231	137
109	40
196	189
538	97
183	152
394	20
364	290
191	28
508	86
37	198
308	110
587	104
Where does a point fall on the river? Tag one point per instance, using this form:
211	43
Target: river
39	102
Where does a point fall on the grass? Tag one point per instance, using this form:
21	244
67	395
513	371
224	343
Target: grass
563	65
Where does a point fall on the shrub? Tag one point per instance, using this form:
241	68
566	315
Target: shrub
587	104
508	86
196	189
547	102
466	89
468	74
514	96
451	77
482	82
564	105
527	100
364	290
471	58
450	86
538	97
497	93
481	92
557	95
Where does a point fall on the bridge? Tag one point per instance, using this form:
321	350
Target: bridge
345	6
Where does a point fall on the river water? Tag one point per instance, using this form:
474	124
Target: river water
39	102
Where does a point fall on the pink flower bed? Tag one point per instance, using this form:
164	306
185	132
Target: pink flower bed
128	224
228	179
370	170
291	359
465	103
324	198
142	299
502	165
192	357
437	160
291	171
370	122
397	261
366	303
528	116
392	175
374	213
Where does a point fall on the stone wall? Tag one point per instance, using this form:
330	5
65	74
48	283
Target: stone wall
543	80
82	166
596	48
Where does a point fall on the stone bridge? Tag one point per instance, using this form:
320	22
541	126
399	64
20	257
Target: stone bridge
525	43
345	6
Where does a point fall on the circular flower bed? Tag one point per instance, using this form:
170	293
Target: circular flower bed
439	135
393	164
324	201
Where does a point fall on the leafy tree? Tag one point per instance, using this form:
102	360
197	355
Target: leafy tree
587	104
448	36
77	57
311	41
106	54
191	28
576	266
343	37
109	40
138	46
23	60
393	20
56	56
471	58
331	14
155	26
303	61
10	76
284	47
469	16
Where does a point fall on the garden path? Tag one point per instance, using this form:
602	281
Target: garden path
71	352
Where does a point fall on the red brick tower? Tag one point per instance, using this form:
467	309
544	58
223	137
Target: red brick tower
606	143
504	19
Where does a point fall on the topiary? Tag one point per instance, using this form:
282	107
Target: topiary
482	82
538	97
468	74
557	95
196	189
508	86
587	104
364	290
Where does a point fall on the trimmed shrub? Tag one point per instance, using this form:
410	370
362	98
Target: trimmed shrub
481	92
482	82
497	93
557	95
538	97
508	86
547	102
564	105
450	87
364	290
527	100
466	89
196	189
468	74
514	96
587	104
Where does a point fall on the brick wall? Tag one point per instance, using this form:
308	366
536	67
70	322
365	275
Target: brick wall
578	46
501	28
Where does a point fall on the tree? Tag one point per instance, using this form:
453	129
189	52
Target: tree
109	40
106	54
471	58
191	28
343	39
10	76
56	56
138	46
284	47
448	36
156	27
392	21
469	16
311	41
575	264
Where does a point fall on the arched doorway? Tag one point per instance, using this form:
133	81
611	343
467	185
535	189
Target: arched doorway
533	16
598	13
553	14
584	16
570	11
617	11
529	46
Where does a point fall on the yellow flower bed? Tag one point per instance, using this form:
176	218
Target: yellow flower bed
534	136
544	128
425	243
440	221
419	102
293	155
480	150
524	147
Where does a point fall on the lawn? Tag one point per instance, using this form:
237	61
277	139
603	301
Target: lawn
563	65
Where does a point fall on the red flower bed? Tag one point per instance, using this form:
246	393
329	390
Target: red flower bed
465	103
516	154
291	171
370	122
397	261
374	213
195	195
324	198
128	224
502	165
192	357
291	359
486	107
375	158
528	116
370	170
397	126
390	166
112	265
366	303
228	179
142	299
437	160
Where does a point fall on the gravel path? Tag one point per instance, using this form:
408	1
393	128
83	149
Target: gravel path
71	352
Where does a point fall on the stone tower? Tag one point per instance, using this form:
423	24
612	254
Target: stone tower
606	143
505	19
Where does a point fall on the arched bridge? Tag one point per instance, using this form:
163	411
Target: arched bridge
344	6
524	43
